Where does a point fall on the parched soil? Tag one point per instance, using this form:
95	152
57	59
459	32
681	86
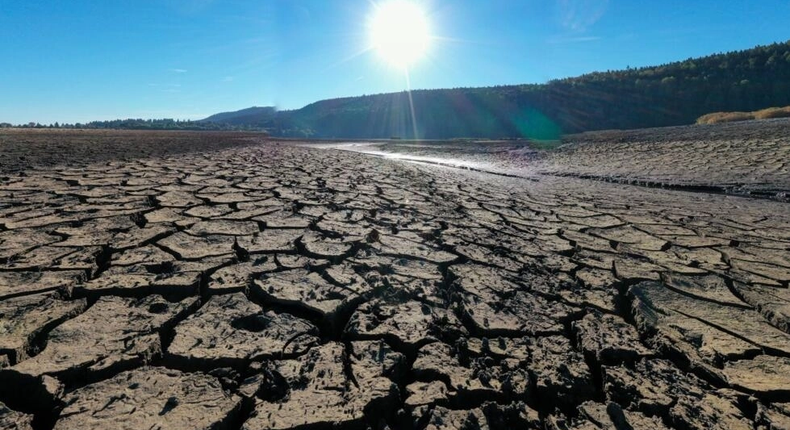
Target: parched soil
747	158
22	149
239	283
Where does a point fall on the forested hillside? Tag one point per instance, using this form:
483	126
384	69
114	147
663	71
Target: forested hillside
241	117
143	124
670	94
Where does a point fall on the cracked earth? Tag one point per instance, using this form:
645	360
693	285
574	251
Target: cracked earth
253	284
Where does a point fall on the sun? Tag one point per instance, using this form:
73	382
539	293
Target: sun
399	32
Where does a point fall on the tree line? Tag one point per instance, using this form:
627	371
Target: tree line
142	124
670	94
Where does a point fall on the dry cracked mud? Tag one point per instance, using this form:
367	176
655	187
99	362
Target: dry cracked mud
249	284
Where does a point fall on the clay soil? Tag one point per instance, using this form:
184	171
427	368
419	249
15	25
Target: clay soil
225	281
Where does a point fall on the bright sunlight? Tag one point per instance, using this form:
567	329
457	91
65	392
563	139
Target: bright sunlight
399	32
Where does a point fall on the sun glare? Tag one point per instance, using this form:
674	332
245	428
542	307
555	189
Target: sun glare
399	32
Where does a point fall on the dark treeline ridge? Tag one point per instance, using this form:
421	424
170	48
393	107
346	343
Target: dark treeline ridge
142	124
671	94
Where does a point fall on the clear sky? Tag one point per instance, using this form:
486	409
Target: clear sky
82	60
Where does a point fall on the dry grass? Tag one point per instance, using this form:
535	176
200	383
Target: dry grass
720	117
773	112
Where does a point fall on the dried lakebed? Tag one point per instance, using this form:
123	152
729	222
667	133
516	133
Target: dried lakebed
284	287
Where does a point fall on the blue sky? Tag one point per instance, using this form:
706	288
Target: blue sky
81	60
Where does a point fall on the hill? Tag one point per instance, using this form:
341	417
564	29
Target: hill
249	116
670	94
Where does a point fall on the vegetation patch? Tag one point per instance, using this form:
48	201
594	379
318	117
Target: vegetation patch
720	117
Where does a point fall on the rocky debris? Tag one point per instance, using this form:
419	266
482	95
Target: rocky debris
425	394
229	330
609	339
332	386
611	416
657	388
113	334
443	418
516	348
489	415
151	397
13	420
24	319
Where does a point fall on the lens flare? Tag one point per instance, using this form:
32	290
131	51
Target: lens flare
399	32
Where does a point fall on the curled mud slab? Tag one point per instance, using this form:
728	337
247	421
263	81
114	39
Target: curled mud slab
248	284
151	397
